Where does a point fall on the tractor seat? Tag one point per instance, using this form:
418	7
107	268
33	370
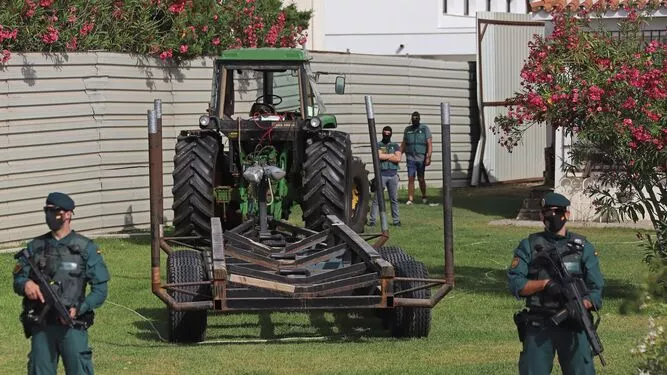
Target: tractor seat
261	109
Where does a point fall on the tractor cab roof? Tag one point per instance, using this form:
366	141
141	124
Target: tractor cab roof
266	54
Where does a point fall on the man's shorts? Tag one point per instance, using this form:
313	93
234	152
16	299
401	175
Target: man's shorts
416	168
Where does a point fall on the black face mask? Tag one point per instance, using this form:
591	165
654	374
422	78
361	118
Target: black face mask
554	220
386	138
54	220
415	121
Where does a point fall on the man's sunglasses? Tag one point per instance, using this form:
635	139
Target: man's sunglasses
52	209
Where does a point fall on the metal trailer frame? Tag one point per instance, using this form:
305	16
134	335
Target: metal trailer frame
247	275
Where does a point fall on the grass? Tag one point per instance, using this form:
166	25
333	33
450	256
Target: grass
472	330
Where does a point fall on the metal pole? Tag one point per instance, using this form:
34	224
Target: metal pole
379	195
445	115
157	107
155	188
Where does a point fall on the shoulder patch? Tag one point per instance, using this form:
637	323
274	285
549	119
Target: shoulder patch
515	262
17	268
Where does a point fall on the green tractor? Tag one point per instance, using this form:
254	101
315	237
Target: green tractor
266	112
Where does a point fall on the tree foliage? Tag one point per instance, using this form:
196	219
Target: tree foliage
167	28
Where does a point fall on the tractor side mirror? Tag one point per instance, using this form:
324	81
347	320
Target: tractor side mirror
340	85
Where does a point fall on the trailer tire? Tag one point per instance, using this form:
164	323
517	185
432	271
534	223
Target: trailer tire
407	321
185	266
197	170
394	254
324	183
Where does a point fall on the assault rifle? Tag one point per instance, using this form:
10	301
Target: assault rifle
573	290
33	315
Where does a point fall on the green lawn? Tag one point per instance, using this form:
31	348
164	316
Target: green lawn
472	329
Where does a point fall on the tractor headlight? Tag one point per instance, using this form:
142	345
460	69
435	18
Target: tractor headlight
315	122
204	121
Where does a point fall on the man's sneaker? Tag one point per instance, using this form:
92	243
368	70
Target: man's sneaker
408	203
396	224
424	200
371	223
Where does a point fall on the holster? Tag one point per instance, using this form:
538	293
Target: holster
521	322
85	321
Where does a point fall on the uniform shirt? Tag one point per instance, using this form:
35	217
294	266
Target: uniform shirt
388	168
517	274
421	134
96	273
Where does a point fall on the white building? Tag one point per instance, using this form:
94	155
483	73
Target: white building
400	27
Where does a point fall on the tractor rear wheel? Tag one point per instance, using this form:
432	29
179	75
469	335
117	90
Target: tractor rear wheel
360	196
186	266
197	170
324	182
330	179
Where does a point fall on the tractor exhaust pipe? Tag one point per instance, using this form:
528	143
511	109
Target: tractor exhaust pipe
445	121
379	194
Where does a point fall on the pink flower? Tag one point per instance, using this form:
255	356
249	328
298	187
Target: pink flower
51	36
5	56
45	3
629	103
86	28
177	7
166	54
204	28
184	48
215	41
215	17
72	44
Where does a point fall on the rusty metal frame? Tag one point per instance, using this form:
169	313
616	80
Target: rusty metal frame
247	275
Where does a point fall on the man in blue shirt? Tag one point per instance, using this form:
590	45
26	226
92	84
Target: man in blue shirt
417	146
390	155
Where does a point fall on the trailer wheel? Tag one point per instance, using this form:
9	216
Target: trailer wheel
186	266
394	254
406	321
198	167
324	183
360	196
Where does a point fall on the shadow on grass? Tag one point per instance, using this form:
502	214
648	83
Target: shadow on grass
496	200
345	327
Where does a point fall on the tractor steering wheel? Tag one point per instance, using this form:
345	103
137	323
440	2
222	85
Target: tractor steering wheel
272	96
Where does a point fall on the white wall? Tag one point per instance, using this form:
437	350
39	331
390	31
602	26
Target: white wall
382	26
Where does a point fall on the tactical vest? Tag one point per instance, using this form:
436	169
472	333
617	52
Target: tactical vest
415	140
65	265
386	164
571	253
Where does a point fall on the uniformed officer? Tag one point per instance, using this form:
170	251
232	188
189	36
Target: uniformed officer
417	146
529	278
390	155
70	261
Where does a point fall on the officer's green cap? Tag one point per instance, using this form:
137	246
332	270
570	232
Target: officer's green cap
61	200
555	200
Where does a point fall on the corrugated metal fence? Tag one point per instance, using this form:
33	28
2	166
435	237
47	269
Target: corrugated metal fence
77	124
